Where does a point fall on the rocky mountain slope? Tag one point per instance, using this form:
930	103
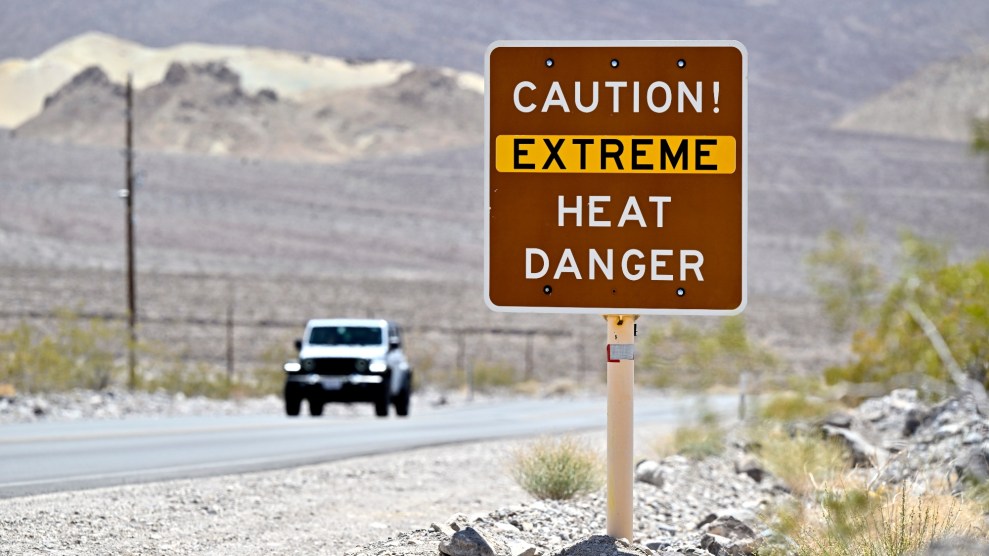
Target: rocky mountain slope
205	109
939	102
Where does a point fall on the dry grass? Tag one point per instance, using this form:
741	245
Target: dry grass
803	461
705	438
872	522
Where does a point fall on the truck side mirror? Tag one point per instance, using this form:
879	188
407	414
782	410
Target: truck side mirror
298	344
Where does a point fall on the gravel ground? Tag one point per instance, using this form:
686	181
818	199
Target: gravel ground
417	503
323	509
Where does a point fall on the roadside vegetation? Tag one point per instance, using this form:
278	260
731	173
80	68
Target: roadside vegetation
926	328
683	356
557	469
80	353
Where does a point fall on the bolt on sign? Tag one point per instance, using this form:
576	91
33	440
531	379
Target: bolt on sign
615	177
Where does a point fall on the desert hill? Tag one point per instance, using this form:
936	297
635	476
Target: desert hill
939	102
206	108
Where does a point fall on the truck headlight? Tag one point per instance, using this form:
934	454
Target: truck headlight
292	367
378	366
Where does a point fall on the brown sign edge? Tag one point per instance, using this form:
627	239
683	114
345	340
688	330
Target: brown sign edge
743	162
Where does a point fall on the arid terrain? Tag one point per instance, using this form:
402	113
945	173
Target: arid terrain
247	200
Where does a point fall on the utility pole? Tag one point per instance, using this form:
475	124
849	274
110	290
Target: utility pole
129	200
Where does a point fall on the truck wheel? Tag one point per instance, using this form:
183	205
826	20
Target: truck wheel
402	401
383	401
293	402
315	407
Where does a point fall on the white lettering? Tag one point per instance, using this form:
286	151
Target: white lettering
640	269
659	201
594	97
593	208
529	252
518	103
658	264
614	86
684	92
695	265
555	98
564	210
606	268
567	264
632	212
649	97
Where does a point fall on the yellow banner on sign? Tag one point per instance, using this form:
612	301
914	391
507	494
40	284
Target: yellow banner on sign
615	154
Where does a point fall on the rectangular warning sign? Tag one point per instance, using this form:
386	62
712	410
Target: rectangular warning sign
615	177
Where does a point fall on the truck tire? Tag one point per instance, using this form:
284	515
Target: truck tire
315	407
402	401
383	402
293	403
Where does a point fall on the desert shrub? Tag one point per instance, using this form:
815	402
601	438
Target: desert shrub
802	460
956	300
863	522
78	353
689	357
704	438
889	345
846	278
192	380
793	405
557	469
493	375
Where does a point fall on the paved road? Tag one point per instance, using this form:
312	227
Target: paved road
49	457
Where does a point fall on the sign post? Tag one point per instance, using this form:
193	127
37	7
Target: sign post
621	332
615	184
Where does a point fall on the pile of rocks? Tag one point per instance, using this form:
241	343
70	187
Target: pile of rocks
904	439
681	506
118	404
715	506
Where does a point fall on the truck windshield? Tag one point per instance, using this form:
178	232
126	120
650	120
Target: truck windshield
346	336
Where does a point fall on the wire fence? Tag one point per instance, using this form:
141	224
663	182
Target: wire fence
238	343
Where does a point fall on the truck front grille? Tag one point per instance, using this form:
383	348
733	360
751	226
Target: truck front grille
335	366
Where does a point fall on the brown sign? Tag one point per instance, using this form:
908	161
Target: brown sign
615	177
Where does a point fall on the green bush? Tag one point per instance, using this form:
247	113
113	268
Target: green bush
956	300
79	353
793	406
706	438
845	278
557	469
688	357
491	376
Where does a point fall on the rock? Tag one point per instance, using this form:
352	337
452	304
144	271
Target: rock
840	419
863	452
714	543
467	542
728	536
730	527
748	465
914	418
603	545
442	528
649	471
974	437
518	548
957	546
974	466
